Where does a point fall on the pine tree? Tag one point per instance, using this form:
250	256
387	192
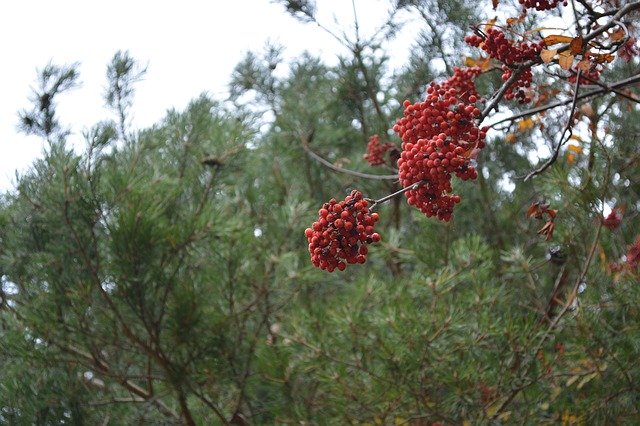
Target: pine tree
163	276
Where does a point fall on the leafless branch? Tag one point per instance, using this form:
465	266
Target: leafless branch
305	146
567	128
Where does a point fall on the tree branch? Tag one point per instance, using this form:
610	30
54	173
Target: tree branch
566	129
604	89
305	146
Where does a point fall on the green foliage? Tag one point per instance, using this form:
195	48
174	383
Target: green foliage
162	277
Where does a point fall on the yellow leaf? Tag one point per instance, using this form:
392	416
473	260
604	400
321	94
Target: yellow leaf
511	138
490	23
377	420
470	62
484	63
505	416
466	423
556	39
571	159
571	380
576	137
569	419
586	379
525	124
547	55
400	421
565	59
603	258
493	408
575	148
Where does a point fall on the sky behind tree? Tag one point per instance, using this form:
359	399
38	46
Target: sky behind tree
190	47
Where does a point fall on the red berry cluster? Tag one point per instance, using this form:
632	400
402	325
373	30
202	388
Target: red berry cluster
613	220
499	47
439	137
342	232
376	151
631	259
542	4
586	77
633	254
520	88
629	49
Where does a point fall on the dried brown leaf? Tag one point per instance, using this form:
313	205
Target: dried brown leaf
565	59
556	39
547	55
576	45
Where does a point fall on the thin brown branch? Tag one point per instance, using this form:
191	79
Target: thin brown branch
102	367
628	8
567	128
305	146
493	102
604	89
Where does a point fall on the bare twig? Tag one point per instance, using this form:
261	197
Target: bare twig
567	128
605	89
305	146
493	102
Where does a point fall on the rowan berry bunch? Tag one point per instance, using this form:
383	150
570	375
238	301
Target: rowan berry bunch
542	4
613	219
586	77
510	53
631	259
499	47
342	232
629	49
439	138
376	150
520	88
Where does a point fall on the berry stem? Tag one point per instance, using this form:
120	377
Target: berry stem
374	203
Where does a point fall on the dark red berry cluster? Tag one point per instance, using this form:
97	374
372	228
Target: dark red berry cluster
613	220
510	53
586	77
631	259
499	47
542	4
376	150
342	232
629	49
439	138
520	88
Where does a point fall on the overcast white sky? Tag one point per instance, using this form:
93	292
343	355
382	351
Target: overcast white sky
190	46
